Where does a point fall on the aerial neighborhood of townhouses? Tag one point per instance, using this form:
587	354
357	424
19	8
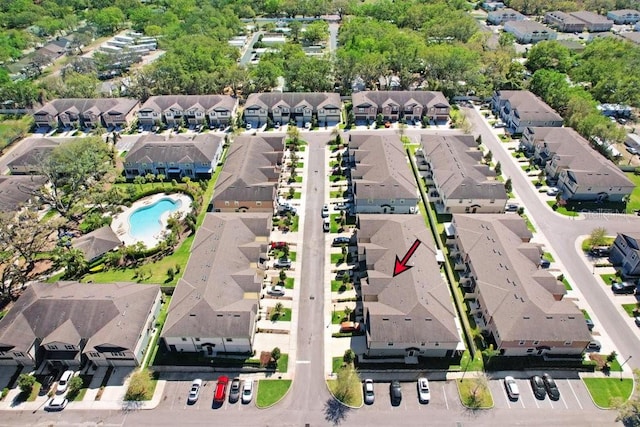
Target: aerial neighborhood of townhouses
309	213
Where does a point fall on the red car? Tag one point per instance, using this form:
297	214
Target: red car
278	245
221	389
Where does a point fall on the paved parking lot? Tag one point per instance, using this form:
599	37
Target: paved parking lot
573	396
444	395
175	397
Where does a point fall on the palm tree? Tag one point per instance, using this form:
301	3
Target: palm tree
160	177
347	312
139	180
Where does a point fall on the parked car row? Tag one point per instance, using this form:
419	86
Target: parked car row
395	391
541	386
238	390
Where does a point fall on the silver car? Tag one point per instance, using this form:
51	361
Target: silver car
247	391
367	388
424	395
194	392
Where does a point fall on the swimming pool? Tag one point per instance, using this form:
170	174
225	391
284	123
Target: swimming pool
146	221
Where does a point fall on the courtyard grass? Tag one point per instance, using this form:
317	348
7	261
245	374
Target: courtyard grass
474	394
630	309
336	286
283	316
271	391
561	209
606	391
288	283
337	258
608	279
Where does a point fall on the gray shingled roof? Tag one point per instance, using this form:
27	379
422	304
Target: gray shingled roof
382	170
292	99
187	102
515	291
416	305
97	243
154	148
111	314
591	17
251	170
218	294
527	105
401	97
16	190
82	105
38	150
573	152
455	162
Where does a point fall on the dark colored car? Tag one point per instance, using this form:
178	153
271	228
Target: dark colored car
234	390
537	385
338	241
395	391
590	324
551	387
594	346
623	287
221	389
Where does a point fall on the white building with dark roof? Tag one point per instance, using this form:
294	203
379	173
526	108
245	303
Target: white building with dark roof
249	178
624	16
297	107
86	113
175	157
211	110
409	315
457	180
520	109
381	177
70	324
500	16
214	307
529	31
520	306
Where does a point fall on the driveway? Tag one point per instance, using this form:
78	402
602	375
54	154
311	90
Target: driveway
573	395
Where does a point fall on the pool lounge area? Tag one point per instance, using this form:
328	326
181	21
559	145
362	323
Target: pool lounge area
146	219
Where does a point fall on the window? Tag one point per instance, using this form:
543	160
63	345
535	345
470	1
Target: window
258	203
117	354
184	339
197	339
69	347
236	203
390	344
226	203
401	201
94	355
52	347
360	110
567	343
536	342
229	339
392	201
521	343
529	350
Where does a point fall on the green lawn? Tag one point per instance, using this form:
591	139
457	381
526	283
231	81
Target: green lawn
482	399
336	258
335	223
561	209
586	243
337	284
285	316
271	391
629	308
283	362
288	283
602	390
634	200
586	314
157	269
528	222
467	364
337	317
566	284
548	256
608	279
352	397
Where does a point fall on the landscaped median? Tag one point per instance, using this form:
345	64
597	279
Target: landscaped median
474	392
271	392
607	393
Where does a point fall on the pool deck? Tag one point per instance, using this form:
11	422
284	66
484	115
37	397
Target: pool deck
120	224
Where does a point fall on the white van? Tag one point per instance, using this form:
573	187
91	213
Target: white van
326	224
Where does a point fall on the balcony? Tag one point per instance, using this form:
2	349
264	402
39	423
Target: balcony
459	264
474	306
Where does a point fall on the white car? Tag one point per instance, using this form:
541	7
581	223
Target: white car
247	391
424	395
57	403
194	393
63	383
276	290
369	396
512	388
325	211
552	191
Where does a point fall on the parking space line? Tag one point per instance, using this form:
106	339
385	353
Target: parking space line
563	401
444	391
504	393
574	394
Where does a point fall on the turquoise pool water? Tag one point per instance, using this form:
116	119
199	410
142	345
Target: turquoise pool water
145	222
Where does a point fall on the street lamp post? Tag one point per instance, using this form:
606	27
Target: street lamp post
623	363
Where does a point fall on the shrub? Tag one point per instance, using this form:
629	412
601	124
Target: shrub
140	386
26	383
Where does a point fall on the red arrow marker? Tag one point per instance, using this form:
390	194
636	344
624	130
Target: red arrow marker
401	266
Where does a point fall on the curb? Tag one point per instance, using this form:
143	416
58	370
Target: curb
277	401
